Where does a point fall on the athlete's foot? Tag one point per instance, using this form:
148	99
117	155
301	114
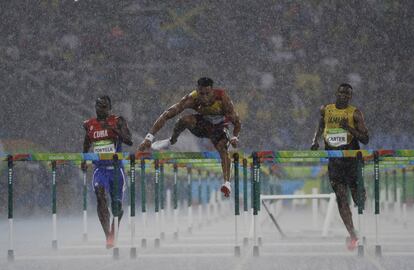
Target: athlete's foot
110	238
161	145
226	189
110	241
351	243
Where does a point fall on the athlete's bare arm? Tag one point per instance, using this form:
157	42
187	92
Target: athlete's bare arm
231	114
86	142
186	102
86	146
124	132
319	130
121	130
360	132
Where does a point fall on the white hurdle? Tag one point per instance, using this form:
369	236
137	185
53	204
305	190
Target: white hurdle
329	213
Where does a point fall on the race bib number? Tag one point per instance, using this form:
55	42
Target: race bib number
104	146
336	137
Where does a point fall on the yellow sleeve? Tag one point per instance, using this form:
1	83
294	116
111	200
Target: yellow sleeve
193	94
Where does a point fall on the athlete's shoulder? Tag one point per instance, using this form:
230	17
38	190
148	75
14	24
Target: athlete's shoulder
113	117
88	122
325	107
219	92
352	108
193	94
119	118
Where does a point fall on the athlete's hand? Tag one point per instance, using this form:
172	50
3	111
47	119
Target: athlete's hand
146	144
234	141
344	124
315	146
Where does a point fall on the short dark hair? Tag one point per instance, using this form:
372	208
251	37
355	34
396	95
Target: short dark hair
104	98
205	81
346	86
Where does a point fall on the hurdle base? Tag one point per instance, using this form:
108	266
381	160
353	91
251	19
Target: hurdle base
259	241
378	251
144	243
115	255
54	244
10	255
85	237
245	241
133	253
175	235
237	252
360	251
256	251
162	236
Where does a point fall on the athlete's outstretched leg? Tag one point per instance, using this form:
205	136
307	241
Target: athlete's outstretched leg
187	121
222	148
102	208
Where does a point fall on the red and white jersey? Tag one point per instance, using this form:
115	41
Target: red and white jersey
103	140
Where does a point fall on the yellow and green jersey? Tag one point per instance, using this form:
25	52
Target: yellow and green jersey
214	112
335	137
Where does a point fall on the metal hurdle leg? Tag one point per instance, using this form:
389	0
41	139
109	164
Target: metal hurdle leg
10	251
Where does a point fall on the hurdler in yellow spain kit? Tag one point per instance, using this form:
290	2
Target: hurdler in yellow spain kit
333	134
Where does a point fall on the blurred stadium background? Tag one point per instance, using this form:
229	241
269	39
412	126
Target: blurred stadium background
279	61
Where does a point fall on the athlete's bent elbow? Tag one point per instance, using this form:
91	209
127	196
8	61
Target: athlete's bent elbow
365	140
128	142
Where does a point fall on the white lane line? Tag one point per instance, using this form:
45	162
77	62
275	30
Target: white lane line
84	247
198	245
186	255
97	256
166	245
397	253
306	254
181	245
187	238
62	257
307	244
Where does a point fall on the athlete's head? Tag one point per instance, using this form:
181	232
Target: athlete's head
343	94
103	106
205	90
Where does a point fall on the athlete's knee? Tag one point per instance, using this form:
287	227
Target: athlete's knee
342	201
117	206
222	147
100	194
186	121
340	193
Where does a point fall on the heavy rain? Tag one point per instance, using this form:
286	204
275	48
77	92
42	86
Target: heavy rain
280	63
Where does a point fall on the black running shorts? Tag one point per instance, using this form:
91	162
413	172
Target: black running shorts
205	129
344	170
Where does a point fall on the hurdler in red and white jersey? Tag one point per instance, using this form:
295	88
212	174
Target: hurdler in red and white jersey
105	136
